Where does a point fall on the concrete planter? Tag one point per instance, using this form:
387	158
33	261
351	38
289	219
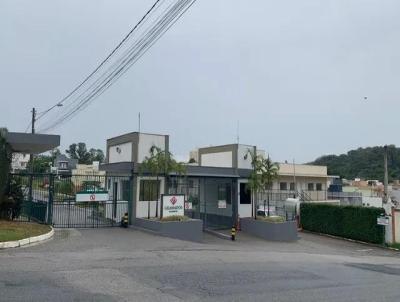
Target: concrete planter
285	231
191	230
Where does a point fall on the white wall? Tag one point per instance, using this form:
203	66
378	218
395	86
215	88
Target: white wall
120	153
218	159
146	141
143	206
242	162
372	201
244	210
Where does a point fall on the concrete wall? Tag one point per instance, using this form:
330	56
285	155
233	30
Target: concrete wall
396	214
143	206
244	159
286	231
372	202
191	230
303	170
217	159
146	141
120	153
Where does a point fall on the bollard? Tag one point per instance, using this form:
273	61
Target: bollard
124	221
233	233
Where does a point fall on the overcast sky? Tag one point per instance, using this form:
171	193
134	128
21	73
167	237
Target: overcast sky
294	73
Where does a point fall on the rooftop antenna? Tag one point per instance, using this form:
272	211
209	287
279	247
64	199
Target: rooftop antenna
139	122
237	132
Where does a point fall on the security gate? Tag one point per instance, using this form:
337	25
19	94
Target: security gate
75	201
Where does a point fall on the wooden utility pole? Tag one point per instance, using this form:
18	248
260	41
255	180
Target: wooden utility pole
31	156
385	180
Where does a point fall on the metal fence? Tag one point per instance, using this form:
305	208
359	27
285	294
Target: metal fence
74	200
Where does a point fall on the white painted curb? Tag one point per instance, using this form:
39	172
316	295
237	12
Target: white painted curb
22	242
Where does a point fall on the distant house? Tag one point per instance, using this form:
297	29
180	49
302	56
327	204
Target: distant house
64	165
19	162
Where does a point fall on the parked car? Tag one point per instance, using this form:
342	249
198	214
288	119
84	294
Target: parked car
264	212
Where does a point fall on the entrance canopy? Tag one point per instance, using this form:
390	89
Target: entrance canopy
32	143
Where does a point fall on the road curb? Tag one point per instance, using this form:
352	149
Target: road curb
26	241
352	240
217	234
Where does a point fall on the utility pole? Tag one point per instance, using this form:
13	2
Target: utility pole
385	180
31	155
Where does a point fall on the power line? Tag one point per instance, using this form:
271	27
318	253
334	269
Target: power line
134	53
104	61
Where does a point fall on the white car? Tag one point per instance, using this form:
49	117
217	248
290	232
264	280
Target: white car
262	212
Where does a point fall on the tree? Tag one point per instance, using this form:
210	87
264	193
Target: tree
269	174
80	152
96	155
262	176
366	163
40	164
161	162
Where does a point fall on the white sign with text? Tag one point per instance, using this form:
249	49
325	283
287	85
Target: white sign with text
173	205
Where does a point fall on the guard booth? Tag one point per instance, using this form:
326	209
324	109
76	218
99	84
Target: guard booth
210	195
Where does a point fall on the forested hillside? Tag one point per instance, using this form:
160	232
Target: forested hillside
365	163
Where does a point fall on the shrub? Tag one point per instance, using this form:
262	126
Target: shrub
351	222
175	218
273	219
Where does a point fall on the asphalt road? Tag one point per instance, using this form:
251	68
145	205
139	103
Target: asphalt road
114	264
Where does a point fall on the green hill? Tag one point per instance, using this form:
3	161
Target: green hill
366	163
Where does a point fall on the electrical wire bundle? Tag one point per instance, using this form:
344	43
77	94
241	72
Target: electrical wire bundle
154	24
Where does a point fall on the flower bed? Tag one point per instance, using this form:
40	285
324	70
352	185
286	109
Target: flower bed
179	227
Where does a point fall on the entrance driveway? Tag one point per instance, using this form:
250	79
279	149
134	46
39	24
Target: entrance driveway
116	264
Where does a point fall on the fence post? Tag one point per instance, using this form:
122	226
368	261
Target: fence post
50	200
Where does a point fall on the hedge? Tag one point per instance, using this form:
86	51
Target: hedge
351	222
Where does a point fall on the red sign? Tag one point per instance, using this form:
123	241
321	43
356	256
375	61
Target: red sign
173	200
92	197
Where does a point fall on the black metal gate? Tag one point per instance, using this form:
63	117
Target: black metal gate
75	201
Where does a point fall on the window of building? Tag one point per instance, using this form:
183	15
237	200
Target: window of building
225	193
245	194
311	186
292	186
191	183
283	186
319	186
63	165
148	190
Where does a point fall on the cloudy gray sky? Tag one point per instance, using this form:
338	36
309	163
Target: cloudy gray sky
294	73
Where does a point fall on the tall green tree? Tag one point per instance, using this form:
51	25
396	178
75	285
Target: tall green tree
366	163
79	151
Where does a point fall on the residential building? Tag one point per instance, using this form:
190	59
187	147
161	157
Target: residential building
88	173
64	164
19	161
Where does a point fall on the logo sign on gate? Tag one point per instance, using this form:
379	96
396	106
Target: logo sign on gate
87	196
173	205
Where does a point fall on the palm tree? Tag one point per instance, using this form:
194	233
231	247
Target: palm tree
160	162
269	174
262	177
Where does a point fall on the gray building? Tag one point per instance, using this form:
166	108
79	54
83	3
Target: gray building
64	164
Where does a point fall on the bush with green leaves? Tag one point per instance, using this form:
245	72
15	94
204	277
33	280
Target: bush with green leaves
358	223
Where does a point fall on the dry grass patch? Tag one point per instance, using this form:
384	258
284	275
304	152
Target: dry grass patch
12	230
273	219
175	218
